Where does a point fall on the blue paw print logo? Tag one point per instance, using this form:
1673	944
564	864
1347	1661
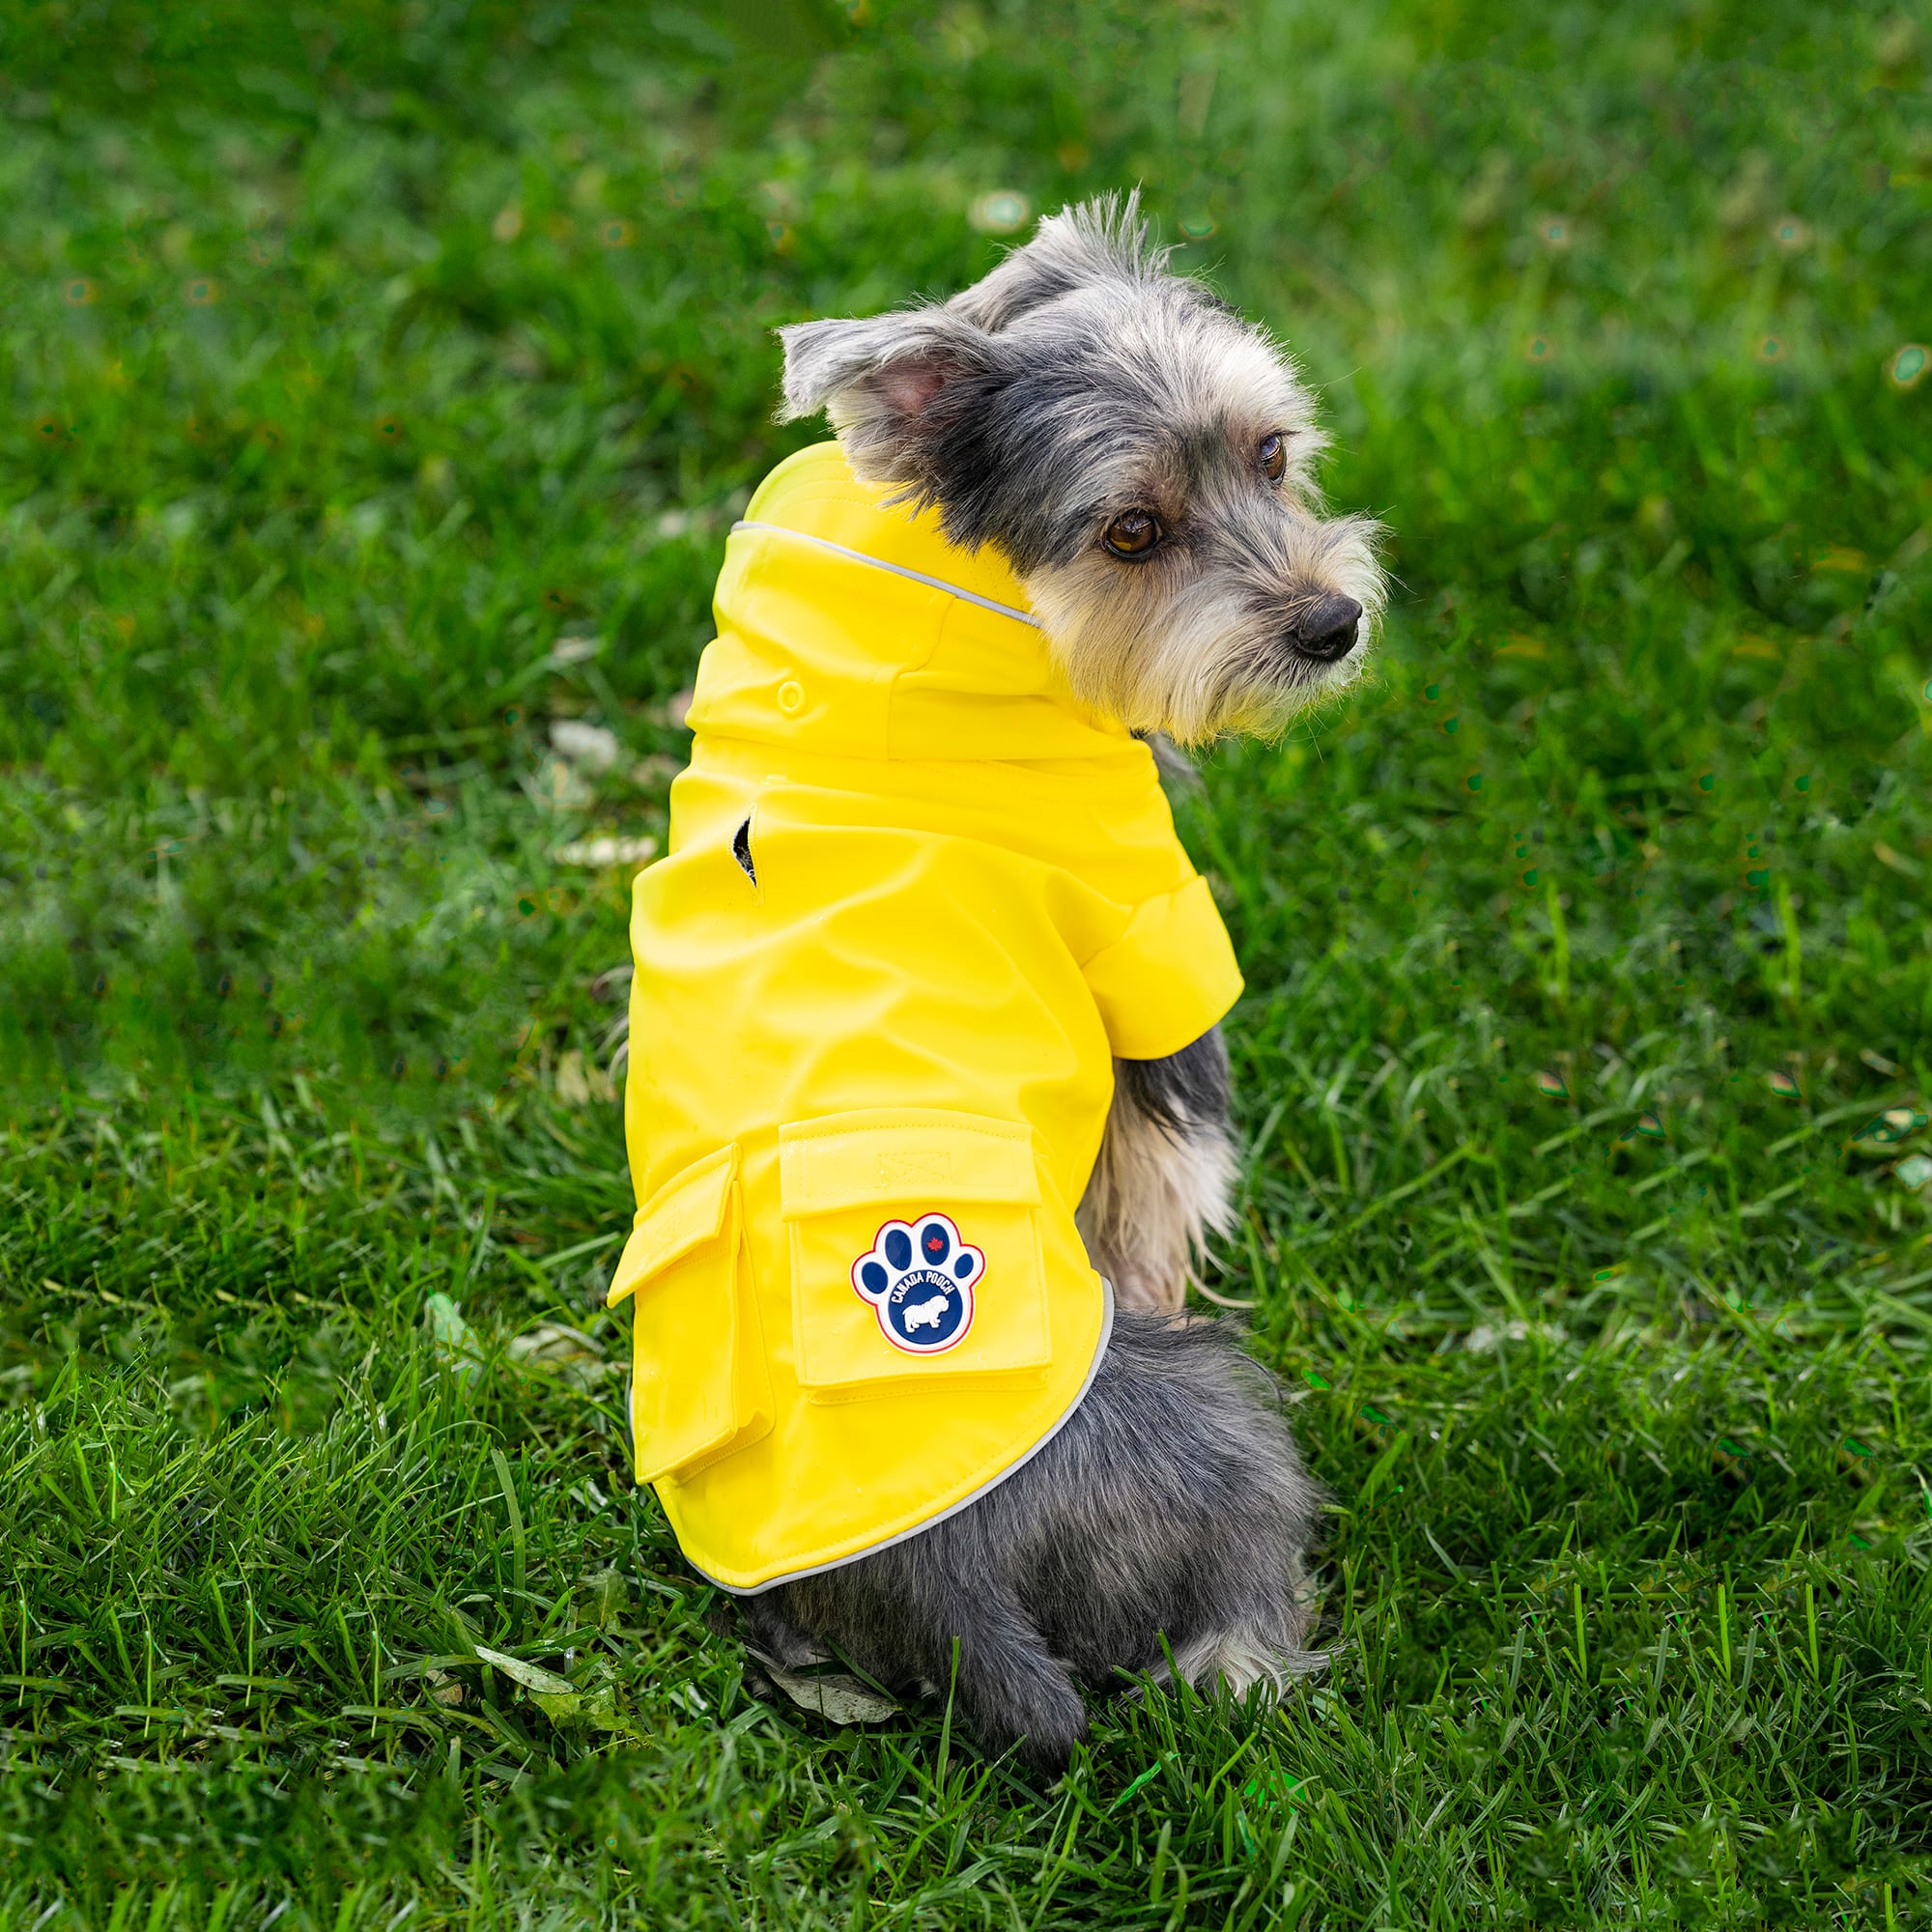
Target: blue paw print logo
919	1277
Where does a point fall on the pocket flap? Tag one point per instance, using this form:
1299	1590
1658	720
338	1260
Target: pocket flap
688	1209
886	1154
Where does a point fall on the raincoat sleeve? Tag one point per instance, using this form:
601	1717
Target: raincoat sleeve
1168	978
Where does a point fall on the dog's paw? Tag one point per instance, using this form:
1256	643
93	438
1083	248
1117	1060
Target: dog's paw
919	1277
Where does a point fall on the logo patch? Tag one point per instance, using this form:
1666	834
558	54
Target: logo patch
919	1277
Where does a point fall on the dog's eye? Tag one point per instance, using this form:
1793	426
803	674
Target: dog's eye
1133	534
1273	453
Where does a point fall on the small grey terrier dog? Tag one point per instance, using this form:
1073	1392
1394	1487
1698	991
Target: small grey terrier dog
1143	458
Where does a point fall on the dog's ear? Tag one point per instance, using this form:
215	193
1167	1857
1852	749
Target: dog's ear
1101	240
894	384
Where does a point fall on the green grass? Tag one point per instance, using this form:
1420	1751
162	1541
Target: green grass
357	356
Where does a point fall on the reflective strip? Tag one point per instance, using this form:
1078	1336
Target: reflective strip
898	570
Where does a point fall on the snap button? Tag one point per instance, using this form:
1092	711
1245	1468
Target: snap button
791	696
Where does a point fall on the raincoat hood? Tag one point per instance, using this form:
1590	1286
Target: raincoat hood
916	899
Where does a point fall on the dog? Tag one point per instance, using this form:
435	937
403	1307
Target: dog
1117	444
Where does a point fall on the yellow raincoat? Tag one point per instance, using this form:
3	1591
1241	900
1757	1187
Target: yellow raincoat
915	901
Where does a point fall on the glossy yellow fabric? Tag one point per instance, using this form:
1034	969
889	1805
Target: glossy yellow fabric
969	897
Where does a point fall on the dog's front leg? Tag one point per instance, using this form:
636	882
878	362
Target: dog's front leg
1165	1175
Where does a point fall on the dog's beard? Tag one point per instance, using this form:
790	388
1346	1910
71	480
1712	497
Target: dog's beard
1197	649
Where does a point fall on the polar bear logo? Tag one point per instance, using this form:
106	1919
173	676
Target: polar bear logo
919	1277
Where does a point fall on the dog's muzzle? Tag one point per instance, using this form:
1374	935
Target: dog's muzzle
1327	629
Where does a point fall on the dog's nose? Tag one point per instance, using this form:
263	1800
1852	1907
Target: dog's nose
1326	630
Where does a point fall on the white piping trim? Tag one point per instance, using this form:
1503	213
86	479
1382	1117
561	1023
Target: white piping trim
964	1503
898	570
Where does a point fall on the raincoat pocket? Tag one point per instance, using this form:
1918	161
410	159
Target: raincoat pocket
698	1387
915	1245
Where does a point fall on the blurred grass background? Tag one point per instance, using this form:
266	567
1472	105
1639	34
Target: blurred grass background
380	381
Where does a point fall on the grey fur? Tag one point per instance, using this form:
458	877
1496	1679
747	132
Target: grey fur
1165	1175
1097	243
1187	1089
1171	1505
